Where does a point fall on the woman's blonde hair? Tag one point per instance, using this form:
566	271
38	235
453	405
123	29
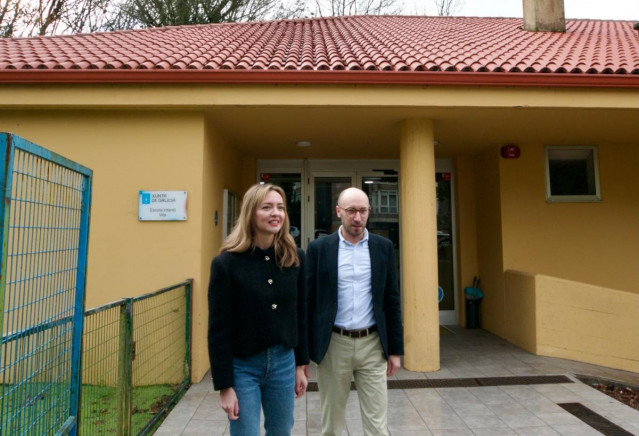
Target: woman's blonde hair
242	237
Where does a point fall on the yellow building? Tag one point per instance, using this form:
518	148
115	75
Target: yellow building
488	150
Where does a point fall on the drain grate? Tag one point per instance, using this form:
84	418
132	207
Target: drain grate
594	420
467	382
524	380
432	383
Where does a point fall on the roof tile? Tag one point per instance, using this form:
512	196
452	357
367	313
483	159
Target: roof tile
373	43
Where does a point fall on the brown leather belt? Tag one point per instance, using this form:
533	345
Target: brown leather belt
355	333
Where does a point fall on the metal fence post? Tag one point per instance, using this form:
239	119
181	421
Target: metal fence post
5	180
78	319
125	357
187	359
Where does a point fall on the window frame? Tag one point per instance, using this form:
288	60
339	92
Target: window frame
589	198
378	206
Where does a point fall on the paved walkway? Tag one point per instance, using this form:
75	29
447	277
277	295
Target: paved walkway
462	411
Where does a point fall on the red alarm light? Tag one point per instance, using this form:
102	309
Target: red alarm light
510	151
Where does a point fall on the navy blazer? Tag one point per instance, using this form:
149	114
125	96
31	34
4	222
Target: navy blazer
321	277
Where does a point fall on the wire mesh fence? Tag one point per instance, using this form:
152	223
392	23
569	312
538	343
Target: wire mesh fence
136	361
100	365
130	368
47	378
44	227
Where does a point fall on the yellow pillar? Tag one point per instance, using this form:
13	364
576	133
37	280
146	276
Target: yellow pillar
419	245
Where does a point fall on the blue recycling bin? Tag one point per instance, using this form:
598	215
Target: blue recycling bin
473	307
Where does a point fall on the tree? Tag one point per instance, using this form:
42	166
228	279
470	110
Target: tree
86	15
10	14
159	13
50	17
290	9
446	8
355	7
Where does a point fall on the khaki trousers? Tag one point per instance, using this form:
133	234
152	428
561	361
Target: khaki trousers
362	358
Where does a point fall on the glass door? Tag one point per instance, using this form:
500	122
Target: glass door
326	189
312	189
445	249
382	190
291	183
383	193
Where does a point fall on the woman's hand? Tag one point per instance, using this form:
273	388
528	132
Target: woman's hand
228	403
301	380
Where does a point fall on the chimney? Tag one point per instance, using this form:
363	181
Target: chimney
544	16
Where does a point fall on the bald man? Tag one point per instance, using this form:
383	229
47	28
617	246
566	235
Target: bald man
354	314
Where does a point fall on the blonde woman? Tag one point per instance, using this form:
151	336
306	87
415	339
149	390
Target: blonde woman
258	343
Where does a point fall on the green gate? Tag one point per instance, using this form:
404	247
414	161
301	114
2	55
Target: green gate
44	235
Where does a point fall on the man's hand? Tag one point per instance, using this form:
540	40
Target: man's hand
394	363
228	403
301	380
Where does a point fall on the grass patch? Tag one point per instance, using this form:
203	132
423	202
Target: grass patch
37	407
99	415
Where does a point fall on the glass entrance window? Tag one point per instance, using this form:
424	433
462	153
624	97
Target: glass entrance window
383	194
445	241
311	207
327	190
292	186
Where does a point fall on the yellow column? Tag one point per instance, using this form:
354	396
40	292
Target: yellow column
419	245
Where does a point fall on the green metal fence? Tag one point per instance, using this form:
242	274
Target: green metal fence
135	361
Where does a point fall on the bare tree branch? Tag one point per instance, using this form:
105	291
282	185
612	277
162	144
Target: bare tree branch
157	13
446	8
323	8
10	13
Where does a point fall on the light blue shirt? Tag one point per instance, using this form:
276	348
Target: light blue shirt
354	295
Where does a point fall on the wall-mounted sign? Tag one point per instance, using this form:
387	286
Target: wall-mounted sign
162	206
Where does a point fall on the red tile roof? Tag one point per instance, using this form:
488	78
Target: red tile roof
417	47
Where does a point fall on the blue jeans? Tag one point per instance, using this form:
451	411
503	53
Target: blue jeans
266	379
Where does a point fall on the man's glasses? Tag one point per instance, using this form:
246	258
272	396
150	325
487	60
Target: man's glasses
351	211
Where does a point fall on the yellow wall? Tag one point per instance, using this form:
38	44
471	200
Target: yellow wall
588	323
130	151
489	240
571	320
466	228
577	297
596	243
520	307
222	170
503	222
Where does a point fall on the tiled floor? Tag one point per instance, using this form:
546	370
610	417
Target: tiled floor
478	411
